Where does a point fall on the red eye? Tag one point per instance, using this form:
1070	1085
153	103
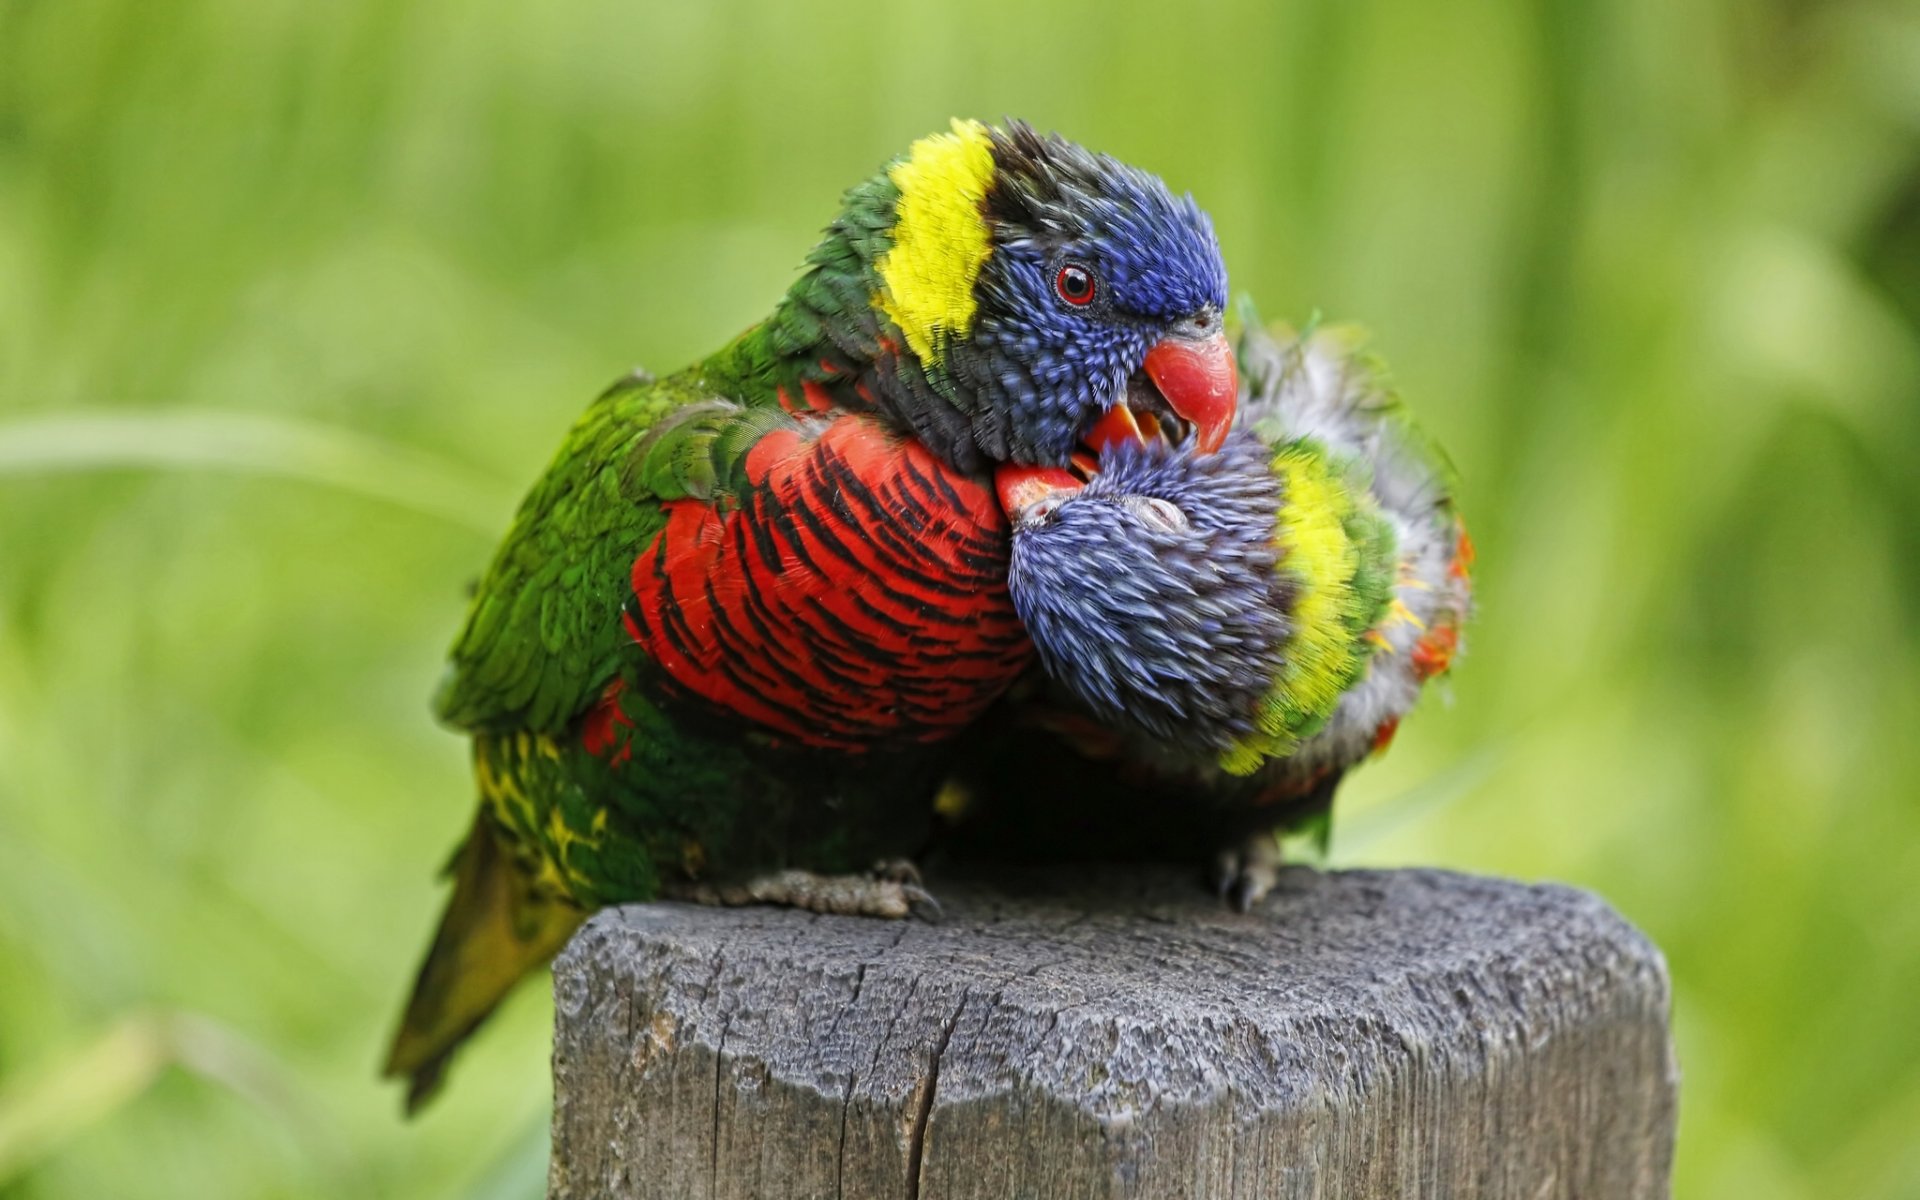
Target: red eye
1075	284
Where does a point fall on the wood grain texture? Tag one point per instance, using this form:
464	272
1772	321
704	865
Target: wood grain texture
1117	1034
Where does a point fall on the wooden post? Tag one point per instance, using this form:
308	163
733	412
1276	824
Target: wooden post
1118	1034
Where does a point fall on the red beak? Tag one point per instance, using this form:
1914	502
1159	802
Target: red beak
1200	382
1021	486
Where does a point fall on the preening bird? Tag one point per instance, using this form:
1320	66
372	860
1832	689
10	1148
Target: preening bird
733	631
1222	637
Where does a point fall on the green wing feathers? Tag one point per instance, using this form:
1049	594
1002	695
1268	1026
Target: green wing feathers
542	641
543	636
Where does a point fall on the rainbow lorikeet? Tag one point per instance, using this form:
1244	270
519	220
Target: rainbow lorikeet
725	648
1223	636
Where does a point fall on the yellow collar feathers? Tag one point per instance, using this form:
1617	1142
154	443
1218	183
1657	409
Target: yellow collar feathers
940	237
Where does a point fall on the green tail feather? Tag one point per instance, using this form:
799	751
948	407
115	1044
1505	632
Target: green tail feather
497	930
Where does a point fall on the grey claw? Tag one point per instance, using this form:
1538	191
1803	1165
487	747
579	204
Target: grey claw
1240	894
920	903
1226	869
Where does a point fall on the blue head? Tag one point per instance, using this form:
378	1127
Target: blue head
1035	287
1151	591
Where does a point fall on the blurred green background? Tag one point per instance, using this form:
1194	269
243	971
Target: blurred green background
296	298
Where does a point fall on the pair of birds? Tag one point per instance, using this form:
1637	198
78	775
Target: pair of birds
981	526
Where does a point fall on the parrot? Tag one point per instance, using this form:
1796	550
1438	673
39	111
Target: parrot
731	637
1222	637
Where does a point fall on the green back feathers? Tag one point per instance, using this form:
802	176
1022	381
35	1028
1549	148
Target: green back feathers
907	246
542	636
827	312
699	451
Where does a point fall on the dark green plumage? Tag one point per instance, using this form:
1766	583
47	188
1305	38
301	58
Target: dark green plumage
537	648
737	623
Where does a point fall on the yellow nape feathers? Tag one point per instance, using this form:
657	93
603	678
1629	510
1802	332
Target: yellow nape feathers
939	237
1325	651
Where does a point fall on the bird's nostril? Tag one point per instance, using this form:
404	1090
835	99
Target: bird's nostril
1202	324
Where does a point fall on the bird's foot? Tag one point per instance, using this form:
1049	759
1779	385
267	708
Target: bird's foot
891	890
1244	874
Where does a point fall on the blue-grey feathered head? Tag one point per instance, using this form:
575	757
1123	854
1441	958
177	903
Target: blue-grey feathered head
1152	592
1029	286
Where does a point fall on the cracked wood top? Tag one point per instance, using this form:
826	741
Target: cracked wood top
1115	1033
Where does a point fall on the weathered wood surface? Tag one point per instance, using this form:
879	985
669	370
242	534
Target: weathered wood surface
1117	1034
